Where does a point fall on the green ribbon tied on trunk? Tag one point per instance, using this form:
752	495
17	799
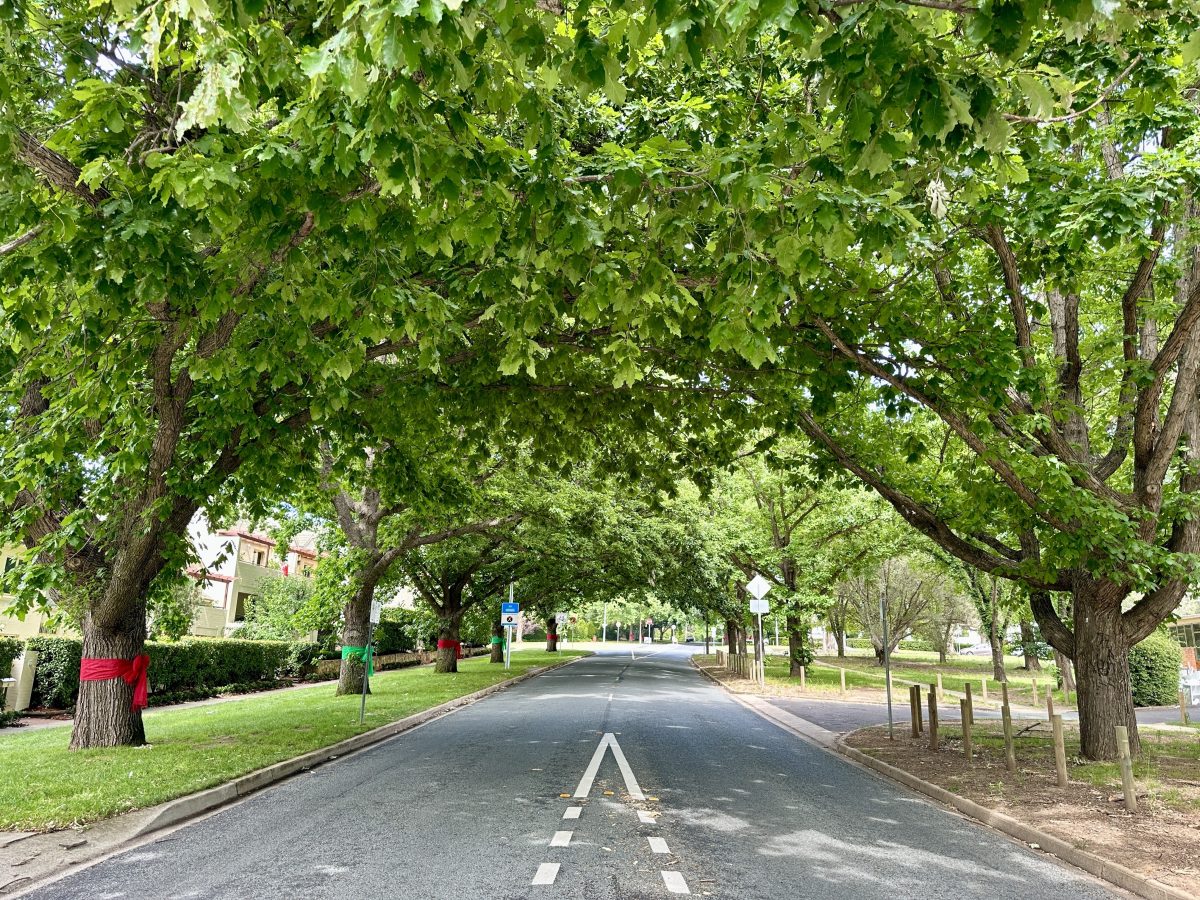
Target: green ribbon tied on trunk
496	640
363	653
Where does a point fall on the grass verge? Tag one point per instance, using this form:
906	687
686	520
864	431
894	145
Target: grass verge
46	786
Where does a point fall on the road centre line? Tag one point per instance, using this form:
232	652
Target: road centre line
561	839
609	740
646	818
546	873
675	883
658	845
572	812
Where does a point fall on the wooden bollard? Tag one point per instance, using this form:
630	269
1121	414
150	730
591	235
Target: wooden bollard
920	709
914	703
1010	754
1035	693
843	675
933	721
983	684
1003	694
970	704
964	711
1126	768
1183	707
1049	706
941	694
1060	750
802	677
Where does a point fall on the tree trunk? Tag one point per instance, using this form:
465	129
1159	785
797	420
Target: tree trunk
797	646
731	635
1065	670
1029	649
1102	671
839	637
497	643
995	638
104	715
356	628
552	635
447	651
878	652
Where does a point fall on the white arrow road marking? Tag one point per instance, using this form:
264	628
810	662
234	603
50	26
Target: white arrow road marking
631	784
546	873
561	839
675	883
658	845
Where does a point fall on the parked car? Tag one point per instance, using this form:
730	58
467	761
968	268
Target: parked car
984	649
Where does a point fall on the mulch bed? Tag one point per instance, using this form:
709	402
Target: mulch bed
1161	841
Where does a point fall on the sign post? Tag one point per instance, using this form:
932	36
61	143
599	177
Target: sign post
376	615
887	663
510	616
758	588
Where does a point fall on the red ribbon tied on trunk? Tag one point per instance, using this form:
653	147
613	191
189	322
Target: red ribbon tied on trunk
457	645
132	670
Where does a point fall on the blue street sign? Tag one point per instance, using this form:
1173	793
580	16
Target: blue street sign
510	608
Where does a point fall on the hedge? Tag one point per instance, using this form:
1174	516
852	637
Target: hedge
1154	671
187	670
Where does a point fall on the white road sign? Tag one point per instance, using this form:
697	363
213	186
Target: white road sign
376	612
759	605
758	587
509	620
560	618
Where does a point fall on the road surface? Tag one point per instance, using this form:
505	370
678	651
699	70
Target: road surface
625	775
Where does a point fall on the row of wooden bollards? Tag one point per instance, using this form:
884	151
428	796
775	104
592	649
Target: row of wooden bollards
738	663
967	719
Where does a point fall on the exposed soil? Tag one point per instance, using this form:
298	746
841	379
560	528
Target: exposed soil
1161	841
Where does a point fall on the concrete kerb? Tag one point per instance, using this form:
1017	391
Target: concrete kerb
181	810
1111	872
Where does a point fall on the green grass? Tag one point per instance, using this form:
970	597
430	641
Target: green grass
46	786
921	667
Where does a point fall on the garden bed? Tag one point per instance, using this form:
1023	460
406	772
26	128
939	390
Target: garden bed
1161	841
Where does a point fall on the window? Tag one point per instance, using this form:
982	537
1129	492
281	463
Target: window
239	611
10	563
260	558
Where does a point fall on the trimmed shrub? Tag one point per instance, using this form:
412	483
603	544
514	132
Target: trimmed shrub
1154	670
56	681
859	643
918	644
187	670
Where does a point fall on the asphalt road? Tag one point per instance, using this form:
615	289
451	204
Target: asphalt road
470	806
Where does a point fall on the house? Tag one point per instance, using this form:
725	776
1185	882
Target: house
11	626
234	563
1187	631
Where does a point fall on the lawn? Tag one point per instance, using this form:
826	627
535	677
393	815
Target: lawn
914	665
862	673
46	786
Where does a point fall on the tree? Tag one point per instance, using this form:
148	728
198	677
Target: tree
994	600
276	612
905	591
948	611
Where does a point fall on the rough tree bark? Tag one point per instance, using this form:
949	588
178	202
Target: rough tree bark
797	645
996	639
356	627
551	634
1029	648
104	716
497	645
448	637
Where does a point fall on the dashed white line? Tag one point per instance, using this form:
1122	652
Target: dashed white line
658	845
546	873
675	883
646	818
572	812
561	839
